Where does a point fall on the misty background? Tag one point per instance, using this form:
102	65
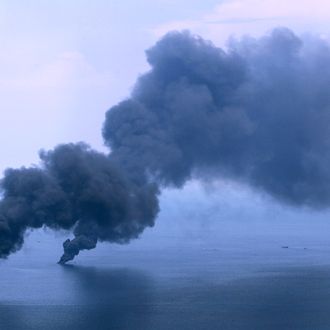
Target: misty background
221	254
62	61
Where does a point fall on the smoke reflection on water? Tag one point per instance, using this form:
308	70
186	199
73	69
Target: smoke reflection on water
294	298
103	299
231	283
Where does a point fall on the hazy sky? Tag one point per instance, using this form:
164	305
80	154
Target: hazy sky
64	63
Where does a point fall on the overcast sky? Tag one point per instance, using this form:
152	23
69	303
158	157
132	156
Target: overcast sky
64	63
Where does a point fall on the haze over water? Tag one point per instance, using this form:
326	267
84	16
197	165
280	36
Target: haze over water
227	260
229	279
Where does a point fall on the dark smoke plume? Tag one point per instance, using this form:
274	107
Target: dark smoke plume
258	112
78	188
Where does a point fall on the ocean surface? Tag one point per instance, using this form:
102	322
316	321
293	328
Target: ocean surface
236	281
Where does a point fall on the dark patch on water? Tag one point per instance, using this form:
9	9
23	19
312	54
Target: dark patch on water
295	298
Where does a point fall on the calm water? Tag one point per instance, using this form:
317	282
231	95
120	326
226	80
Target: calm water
170	283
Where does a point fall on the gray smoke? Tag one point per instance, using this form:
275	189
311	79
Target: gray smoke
77	188
258	112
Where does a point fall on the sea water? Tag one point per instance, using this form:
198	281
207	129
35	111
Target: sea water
232	281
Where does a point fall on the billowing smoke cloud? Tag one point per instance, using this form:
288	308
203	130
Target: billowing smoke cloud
78	188
258	112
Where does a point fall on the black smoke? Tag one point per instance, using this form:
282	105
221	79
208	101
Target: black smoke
78	188
257	112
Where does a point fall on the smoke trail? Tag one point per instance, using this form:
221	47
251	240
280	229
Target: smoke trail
258	112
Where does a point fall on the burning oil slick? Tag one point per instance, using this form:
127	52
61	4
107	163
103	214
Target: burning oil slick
78	188
258	112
